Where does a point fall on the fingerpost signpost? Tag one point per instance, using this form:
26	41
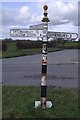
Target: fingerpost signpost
43	101
42	31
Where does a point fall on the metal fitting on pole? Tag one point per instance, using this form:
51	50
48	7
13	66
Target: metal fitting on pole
45	18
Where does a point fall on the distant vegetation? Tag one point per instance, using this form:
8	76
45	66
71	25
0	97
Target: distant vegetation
14	48
0	45
28	44
4	46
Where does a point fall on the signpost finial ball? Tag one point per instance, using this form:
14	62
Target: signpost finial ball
45	7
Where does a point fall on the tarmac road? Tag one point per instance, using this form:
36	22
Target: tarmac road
62	70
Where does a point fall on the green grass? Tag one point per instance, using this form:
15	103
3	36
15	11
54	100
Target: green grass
18	102
25	52
71	44
11	46
0	101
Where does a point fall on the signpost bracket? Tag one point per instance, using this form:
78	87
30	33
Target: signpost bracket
48	104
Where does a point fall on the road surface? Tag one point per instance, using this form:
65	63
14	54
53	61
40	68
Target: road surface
62	70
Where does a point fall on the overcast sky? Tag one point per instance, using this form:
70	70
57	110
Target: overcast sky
63	15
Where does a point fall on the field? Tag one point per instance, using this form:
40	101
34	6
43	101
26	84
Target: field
18	102
12	50
71	45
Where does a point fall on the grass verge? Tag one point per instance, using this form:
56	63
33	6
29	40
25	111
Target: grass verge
18	102
25	52
0	101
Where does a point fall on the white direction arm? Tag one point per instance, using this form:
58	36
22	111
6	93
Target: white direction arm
39	33
25	33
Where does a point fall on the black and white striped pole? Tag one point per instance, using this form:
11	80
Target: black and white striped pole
45	21
43	103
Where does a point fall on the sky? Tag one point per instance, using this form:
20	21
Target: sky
63	15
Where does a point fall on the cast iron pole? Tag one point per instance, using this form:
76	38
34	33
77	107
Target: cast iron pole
45	21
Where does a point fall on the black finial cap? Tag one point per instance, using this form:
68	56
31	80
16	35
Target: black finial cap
45	7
